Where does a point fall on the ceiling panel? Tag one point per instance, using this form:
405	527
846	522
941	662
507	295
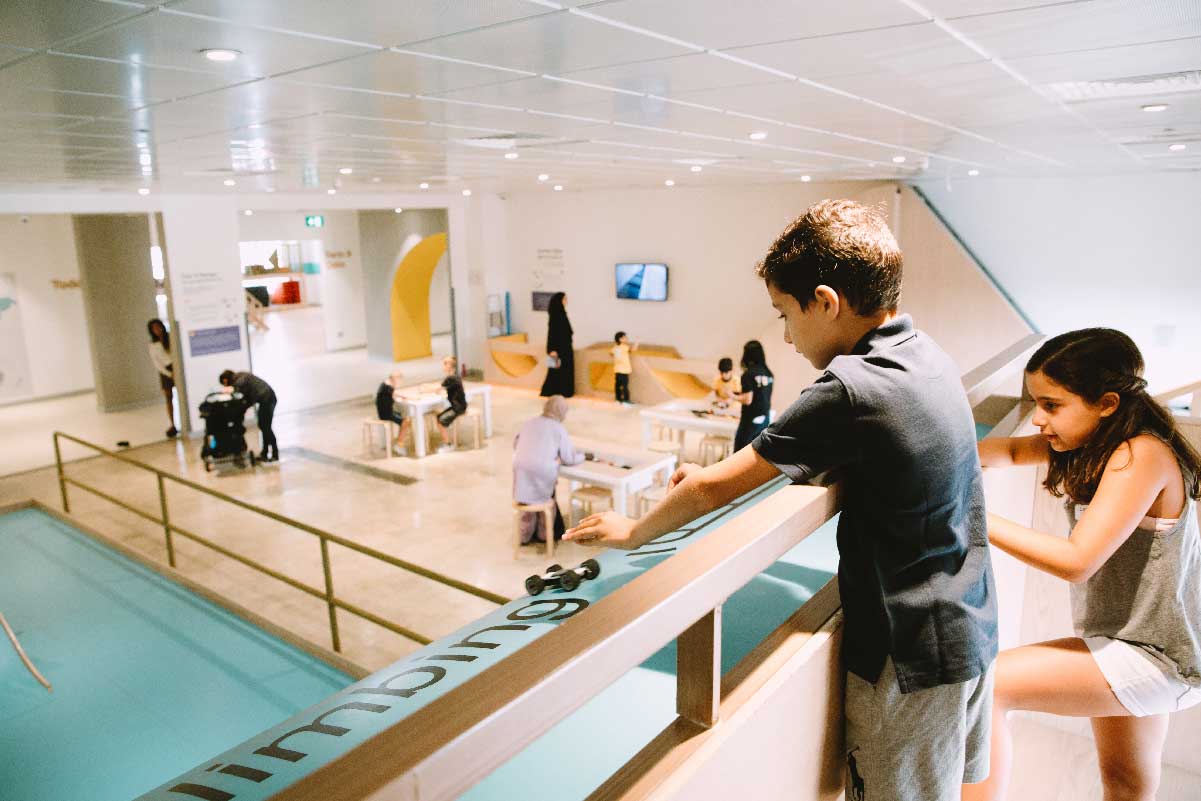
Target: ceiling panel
668	76
380	22
952	9
401	72
902	49
554	43
722	25
138	83
1155	58
175	41
42	23
1070	27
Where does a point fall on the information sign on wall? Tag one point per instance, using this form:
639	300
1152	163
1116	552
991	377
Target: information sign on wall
203	341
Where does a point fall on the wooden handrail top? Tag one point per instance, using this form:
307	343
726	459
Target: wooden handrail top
1172	394
451	743
980	382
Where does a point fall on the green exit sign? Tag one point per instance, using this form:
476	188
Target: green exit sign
314	221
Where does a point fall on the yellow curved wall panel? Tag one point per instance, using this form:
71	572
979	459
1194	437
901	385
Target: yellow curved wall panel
410	301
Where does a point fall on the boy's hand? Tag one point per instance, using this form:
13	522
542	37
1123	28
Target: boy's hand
682	472
606	529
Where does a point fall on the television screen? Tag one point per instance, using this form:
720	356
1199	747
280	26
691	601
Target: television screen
641	281
541	300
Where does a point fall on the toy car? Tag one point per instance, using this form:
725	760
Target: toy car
556	576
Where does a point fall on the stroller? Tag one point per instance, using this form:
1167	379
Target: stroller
224	431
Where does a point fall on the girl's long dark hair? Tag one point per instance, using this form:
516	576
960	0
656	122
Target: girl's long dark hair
752	354
165	339
1089	363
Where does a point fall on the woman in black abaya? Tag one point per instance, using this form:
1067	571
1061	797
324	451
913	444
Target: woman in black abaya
560	379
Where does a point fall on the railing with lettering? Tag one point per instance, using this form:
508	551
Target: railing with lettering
324	539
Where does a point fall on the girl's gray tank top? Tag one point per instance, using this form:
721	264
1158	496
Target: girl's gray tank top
1149	595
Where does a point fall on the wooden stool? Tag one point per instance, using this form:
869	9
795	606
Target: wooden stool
649	497
547	510
369	427
714	448
469	417
666	446
589	497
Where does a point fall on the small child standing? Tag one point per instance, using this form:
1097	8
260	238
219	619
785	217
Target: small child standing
456	396
724	386
621	366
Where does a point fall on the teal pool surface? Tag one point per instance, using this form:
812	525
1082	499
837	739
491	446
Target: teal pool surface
149	678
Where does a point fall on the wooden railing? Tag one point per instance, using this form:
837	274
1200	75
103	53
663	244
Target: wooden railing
324	538
1193	391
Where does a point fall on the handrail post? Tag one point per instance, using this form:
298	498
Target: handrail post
162	504
329	596
698	670
58	465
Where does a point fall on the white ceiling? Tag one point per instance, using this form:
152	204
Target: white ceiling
116	94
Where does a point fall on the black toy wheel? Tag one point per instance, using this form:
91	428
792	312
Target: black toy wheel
555	569
591	568
569	580
534	585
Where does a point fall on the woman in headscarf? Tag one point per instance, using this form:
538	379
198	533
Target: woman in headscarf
560	373
540	447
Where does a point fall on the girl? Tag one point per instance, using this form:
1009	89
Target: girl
1133	557
560	376
160	353
755	396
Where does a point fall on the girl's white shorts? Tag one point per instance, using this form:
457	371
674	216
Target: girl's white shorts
1142	685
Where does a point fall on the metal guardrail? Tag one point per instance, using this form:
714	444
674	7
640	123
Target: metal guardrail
332	601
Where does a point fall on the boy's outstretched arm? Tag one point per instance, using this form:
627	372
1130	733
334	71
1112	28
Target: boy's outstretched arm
694	491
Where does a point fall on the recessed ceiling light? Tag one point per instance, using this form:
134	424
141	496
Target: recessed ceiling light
973	173
143	190
466	193
511	156
230	182
346	170
221	54
898	159
376	179
271	189
1177	146
1152	107
806	179
249	212
695	168
543	177
398	210
758	136
254	126
423	185
669	182
558	187
331	191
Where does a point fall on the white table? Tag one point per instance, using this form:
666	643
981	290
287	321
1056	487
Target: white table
417	404
623	471
678	416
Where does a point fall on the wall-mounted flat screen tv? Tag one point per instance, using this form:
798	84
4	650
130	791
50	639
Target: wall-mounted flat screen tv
641	281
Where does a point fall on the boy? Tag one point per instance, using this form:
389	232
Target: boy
724	386
621	366
456	396
914	573
386	408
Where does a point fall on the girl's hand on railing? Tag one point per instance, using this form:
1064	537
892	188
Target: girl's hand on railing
607	529
682	472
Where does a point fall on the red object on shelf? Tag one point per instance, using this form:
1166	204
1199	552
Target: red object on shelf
286	292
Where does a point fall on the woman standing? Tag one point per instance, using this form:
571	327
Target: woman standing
560	373
755	396
160	353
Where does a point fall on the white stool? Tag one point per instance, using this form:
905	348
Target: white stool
666	446
714	448
370	424
589	498
547	510
649	497
469	417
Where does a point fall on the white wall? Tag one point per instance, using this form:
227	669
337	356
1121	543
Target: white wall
1079	251
39	253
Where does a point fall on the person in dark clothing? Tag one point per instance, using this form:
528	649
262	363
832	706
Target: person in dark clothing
755	396
560	373
258	392
456	396
386	408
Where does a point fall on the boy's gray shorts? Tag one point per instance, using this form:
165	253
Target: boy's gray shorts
918	746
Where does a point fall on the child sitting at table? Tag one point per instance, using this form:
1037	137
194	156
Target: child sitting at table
539	448
456	396
387	409
724	386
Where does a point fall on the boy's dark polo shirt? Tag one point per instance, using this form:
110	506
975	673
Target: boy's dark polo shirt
914	571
